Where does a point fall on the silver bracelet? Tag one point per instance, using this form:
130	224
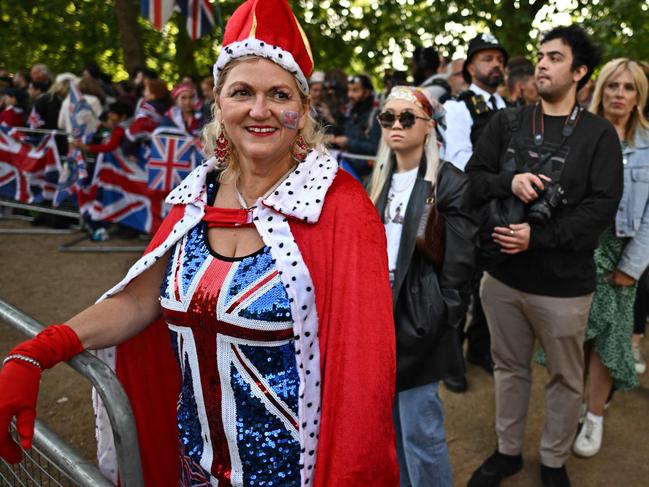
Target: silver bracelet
24	358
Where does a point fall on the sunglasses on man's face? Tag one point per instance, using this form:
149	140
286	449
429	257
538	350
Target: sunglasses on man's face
406	119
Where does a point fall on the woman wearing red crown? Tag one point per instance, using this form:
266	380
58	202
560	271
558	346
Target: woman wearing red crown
269	277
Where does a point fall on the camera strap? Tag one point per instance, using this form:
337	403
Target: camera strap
538	129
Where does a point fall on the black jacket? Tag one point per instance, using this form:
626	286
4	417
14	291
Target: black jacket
428	306
588	166
362	129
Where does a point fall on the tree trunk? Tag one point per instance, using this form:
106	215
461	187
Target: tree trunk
185	48
130	37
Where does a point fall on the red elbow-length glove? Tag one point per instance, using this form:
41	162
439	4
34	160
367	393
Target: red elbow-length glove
19	381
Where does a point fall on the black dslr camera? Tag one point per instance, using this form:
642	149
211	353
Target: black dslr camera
552	196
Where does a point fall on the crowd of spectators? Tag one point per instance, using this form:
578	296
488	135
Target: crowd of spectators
487	98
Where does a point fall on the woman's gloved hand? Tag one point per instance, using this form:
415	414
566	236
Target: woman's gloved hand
19	381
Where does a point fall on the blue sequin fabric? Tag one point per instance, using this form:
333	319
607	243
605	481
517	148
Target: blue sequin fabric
231	328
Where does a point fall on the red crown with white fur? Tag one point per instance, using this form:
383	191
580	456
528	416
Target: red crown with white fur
268	29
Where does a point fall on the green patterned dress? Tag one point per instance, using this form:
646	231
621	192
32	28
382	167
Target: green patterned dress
610	324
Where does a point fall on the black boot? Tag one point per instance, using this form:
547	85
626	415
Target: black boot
554	477
495	468
457	384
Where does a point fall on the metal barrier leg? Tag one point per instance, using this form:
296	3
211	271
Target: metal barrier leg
117	406
73	246
51	461
7	206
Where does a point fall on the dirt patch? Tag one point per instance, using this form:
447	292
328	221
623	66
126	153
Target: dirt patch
52	286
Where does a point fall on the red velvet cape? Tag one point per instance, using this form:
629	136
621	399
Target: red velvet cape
346	256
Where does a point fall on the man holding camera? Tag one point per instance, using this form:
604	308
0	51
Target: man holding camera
548	178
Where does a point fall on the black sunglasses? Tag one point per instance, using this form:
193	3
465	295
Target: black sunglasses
406	119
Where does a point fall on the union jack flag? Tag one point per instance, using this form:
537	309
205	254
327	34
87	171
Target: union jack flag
26	170
72	178
170	161
35	120
157	11
74	174
200	19
80	112
119	193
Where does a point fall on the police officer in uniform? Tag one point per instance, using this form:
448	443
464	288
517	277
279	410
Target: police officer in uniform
466	117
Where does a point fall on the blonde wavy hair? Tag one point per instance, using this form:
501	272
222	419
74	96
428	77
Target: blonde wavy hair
384	162
311	132
612	69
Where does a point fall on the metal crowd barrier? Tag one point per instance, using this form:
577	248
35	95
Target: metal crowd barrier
38	469
10	204
361	157
51	461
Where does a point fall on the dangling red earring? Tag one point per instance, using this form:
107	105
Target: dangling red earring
299	149
222	148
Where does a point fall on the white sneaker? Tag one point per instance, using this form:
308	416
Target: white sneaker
638	359
589	439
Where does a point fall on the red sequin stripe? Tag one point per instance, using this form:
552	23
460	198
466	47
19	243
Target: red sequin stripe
251	291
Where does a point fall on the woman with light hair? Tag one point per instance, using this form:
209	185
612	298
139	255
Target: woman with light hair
431	251
623	252
256	340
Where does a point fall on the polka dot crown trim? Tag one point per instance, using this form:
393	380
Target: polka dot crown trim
255	47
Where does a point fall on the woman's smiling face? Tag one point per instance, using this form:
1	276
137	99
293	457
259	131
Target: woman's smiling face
251	102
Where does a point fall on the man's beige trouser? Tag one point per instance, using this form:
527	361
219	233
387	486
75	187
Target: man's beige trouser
515	320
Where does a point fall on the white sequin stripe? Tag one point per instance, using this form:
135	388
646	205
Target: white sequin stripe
256	47
188	347
224	357
276	233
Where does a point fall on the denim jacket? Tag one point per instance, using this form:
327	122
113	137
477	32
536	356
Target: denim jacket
632	219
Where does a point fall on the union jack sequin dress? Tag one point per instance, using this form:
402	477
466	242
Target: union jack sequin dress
231	329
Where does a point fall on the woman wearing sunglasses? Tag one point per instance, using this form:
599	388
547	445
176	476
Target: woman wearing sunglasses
427	297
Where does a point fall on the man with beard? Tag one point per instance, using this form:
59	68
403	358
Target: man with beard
466	117
549	177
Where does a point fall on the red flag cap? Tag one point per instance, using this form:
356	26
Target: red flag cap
268	29
182	88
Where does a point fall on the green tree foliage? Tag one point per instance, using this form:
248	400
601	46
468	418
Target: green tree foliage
356	35
621	27
65	34
60	33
